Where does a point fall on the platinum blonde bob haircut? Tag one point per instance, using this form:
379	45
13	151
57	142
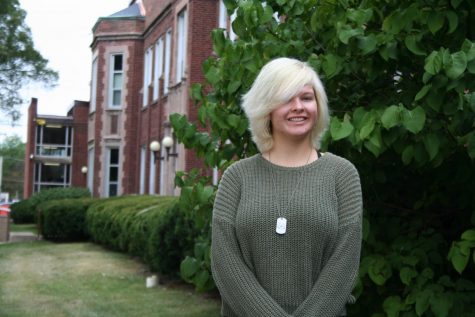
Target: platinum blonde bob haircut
277	83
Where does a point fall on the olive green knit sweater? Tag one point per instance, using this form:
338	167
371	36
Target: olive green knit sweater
308	271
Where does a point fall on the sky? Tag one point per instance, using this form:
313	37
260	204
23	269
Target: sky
62	33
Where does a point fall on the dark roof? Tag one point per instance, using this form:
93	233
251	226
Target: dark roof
132	11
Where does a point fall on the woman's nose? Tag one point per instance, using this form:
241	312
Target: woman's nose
296	104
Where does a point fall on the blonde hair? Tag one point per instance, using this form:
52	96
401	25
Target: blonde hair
277	83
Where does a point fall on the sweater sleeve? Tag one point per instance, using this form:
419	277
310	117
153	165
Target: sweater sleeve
238	286
333	287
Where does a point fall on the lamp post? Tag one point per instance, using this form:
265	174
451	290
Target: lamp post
167	142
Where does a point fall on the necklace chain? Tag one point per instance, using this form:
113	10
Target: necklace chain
293	192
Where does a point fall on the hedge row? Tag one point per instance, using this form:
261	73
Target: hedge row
64	219
150	227
25	210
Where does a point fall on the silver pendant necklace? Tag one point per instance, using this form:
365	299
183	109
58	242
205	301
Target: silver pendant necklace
281	224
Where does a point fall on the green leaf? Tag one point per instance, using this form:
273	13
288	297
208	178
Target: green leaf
332	65
367	44
201	279
233	120
423	92
435	21
379	270
233	86
431	142
412	44
453	21
346	33
406	274
390	117
440	304
314	21
219	41
196	92
340	130
471	67
433	63
367	128
414	120
212	75
469	49
459	64
458	258
471	145
422	301
360	16
455	3
407	154
469	235
188	268
388	51
392	305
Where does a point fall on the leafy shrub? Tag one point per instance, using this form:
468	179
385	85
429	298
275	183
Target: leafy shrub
171	240
58	193
64	219
144	226
22	212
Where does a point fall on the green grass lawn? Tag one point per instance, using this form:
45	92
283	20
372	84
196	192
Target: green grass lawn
82	279
24	228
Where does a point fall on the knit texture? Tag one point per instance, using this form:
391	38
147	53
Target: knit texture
308	271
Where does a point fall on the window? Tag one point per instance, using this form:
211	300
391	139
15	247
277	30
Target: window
168	52
158	71
153	173
92	107
112	183
181	46
53	140
116	80
147	74
90	169
142	171
51	175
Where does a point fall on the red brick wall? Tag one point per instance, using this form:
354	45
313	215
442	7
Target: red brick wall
80	114
28	177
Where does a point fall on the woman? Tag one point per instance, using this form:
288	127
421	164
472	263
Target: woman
286	233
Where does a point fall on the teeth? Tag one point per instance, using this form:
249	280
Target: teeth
296	119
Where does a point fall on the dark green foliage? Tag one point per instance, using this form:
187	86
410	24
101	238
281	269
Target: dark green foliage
57	193
22	212
172	238
64	219
400	77
150	227
13	151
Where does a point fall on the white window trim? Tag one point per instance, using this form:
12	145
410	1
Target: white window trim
142	170
153	174
168	55
90	169
147	75
158	70
92	103
111	80
181	38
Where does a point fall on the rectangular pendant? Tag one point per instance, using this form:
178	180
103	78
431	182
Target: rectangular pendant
281	226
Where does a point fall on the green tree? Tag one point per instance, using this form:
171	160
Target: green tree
400	76
12	149
20	62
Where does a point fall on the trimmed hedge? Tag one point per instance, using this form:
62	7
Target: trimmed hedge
150	227
64	219
23	212
58	193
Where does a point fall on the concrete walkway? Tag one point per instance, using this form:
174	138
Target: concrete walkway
22	237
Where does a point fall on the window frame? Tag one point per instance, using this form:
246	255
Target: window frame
112	73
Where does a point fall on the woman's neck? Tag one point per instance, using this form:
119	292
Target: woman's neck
291	154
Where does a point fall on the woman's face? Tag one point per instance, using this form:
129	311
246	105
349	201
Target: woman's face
295	118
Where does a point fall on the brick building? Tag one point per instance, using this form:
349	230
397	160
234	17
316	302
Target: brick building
55	153
144	60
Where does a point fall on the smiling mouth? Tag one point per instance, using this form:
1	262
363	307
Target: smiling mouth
297	119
